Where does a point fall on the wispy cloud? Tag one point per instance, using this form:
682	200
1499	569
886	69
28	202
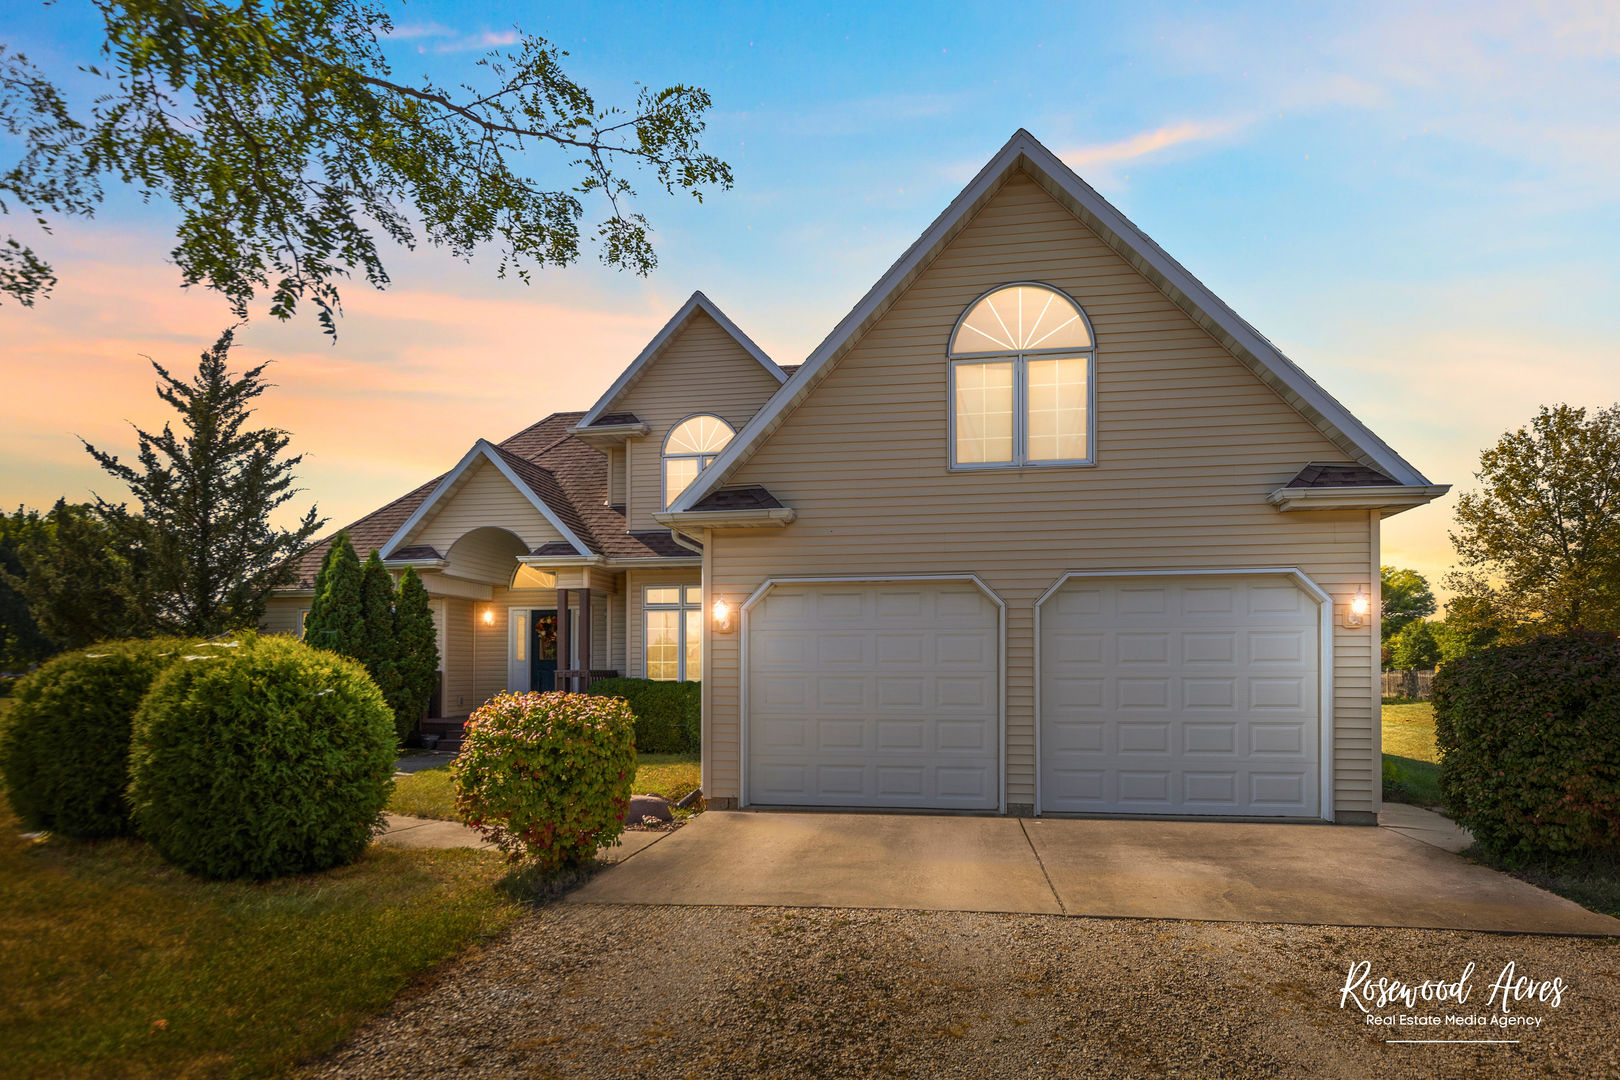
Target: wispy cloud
1146	144
438	38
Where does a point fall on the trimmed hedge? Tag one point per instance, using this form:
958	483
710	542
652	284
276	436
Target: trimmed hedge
64	750
1529	738
274	759
547	776
669	715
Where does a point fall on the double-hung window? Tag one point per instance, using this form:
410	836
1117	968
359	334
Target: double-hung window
672	619
1022	362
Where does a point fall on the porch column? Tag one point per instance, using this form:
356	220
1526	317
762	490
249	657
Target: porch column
585	664
563	652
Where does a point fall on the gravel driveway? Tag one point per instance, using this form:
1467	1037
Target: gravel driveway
581	990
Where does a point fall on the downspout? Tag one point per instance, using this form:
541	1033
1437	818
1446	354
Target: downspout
686	540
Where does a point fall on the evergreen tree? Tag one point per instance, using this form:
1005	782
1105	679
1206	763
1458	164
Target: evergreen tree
22	642
206	498
336	618
417	644
378	647
80	583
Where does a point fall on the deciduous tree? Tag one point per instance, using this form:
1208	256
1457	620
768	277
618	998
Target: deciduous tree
82	581
1405	597
1539	544
291	149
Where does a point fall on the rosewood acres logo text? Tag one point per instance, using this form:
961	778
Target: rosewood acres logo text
1390	1003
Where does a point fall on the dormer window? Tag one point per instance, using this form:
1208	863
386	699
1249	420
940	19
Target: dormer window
694	443
1022	362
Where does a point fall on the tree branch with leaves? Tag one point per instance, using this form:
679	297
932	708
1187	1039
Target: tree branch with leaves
292	150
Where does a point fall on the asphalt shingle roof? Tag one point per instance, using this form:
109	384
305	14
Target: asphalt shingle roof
563	472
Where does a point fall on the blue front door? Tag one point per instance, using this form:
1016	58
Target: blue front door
543	650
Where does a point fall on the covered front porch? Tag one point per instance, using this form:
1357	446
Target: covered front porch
516	618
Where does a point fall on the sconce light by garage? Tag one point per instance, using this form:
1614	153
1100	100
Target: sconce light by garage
723	617
1360	605
488	616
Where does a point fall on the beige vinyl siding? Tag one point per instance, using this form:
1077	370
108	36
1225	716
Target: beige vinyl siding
635	633
460	697
1189	442
281	615
702	370
484	498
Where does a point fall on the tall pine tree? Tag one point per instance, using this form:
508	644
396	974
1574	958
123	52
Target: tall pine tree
417	654
206	499
378	649
336	620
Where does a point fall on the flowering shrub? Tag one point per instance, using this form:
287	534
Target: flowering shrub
1529	737
547	776
268	759
64	750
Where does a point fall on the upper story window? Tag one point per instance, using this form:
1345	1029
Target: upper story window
1022	363
690	448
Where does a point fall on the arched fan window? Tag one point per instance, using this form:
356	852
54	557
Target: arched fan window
691	446
1021	361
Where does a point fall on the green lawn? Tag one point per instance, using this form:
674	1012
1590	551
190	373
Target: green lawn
117	965
1411	766
431	794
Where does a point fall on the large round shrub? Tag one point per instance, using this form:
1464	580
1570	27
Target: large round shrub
1529	738
547	775
64	750
274	758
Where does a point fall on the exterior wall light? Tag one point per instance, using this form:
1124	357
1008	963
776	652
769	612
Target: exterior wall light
723	620
489	616
1360	605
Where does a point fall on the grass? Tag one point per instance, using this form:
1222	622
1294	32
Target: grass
1411	765
431	794
1591	881
118	965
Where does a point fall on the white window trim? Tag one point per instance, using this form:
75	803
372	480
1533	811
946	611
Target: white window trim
704	460
680	606
1020	362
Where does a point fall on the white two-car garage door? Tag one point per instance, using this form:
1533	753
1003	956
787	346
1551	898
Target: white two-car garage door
874	694
1197	694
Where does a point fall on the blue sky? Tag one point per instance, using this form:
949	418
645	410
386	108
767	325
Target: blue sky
1421	206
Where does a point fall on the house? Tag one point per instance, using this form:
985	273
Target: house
1041	527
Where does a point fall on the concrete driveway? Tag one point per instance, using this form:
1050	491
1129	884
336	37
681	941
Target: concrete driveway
1215	871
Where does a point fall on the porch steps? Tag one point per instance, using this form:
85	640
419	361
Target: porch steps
447	729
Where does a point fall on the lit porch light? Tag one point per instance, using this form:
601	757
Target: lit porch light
488	616
1360	605
722	616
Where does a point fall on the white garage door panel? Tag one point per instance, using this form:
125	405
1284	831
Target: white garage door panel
874	695
1184	695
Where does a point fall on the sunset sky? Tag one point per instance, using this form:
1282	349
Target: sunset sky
1421	209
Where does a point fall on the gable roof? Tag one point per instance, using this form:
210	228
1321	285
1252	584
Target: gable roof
1023	152
598	413
575	481
535	484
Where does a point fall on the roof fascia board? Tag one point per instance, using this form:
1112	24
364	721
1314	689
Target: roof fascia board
632	374
484	450
1024	151
774	518
1356	498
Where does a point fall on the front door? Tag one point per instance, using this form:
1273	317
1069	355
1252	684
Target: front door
543	650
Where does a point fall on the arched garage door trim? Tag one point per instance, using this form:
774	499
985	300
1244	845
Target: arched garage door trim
1324	604
1001	660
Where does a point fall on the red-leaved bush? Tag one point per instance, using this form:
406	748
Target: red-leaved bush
547	776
